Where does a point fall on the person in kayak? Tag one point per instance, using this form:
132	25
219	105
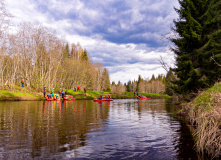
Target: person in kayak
63	93
49	95
100	97
52	92
60	91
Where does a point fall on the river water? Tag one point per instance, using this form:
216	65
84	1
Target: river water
83	129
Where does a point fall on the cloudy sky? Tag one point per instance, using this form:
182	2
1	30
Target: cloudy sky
126	36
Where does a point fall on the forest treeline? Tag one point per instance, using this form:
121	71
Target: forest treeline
40	58
159	85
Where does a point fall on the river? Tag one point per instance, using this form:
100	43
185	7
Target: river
83	129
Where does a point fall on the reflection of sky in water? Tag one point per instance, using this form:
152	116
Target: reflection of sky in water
122	129
129	134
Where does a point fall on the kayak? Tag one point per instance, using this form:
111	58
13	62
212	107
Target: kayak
143	97
103	100
69	98
58	99
49	99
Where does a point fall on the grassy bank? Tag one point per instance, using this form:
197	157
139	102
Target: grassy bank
20	93
121	95
204	112
18	96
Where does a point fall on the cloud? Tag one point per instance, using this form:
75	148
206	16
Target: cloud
126	36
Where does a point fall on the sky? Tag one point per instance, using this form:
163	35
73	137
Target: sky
128	37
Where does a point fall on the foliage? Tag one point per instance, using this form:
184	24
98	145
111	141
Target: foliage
197	46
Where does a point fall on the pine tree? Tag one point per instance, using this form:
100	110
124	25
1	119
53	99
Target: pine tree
153	78
85	55
138	82
105	80
128	86
169	85
210	68
189	29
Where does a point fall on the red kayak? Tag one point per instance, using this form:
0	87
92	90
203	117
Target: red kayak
103	100
49	98
142	97
69	98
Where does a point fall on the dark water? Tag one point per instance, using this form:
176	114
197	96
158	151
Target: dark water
122	129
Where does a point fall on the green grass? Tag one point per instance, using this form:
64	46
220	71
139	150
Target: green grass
16	95
121	95
21	93
149	95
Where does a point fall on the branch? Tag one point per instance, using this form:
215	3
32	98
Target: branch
212	57
164	65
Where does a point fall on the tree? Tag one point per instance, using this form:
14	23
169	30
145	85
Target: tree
66	52
189	28
128	86
209	54
85	55
105	80
170	77
153	78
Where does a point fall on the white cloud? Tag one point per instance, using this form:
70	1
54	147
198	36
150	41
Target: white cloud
145	63
90	22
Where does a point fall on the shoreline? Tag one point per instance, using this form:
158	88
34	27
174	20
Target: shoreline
24	94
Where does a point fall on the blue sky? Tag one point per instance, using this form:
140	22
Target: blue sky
126	36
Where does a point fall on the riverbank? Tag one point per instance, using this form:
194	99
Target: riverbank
120	95
204	113
25	94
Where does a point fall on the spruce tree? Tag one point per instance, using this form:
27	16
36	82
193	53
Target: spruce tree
153	78
210	52
189	30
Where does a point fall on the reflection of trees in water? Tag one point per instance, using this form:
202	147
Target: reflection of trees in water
185	140
185	143
45	128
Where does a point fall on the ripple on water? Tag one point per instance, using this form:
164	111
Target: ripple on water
122	129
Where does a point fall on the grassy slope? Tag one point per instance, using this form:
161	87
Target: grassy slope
16	95
205	113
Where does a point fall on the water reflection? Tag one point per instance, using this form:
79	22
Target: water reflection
120	129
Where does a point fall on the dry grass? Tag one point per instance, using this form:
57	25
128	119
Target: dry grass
205	113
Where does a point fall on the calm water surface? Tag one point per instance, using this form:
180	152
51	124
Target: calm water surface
122	129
